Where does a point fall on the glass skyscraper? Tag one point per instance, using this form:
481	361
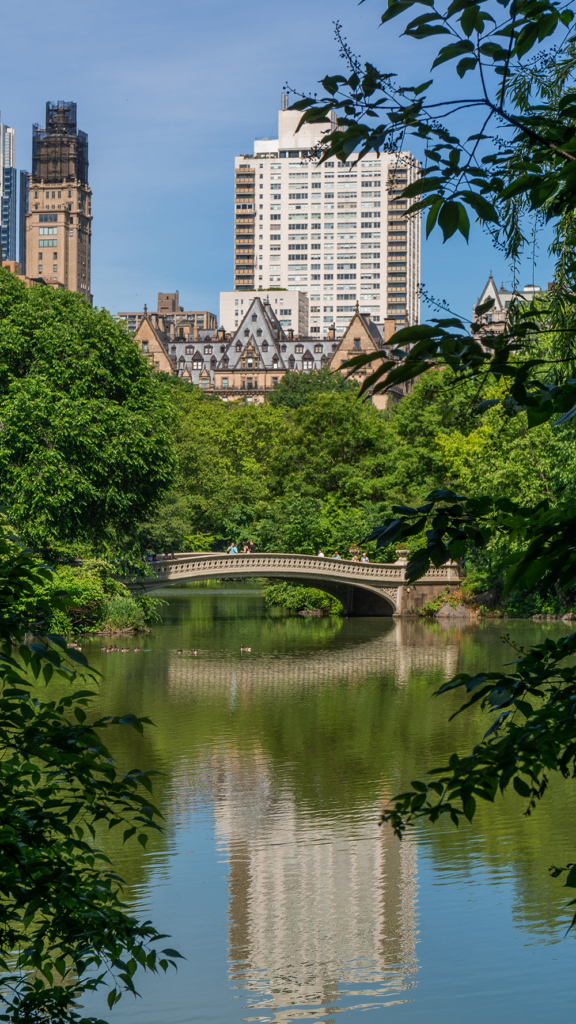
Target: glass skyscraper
8	178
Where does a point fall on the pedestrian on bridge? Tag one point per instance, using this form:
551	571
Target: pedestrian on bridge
320	553
252	547
336	555
232	550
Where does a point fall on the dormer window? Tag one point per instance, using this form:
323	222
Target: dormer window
238	347
265	346
291	362
318	348
259	332
283	348
173	348
207	350
356	344
299	349
189	350
254	317
246	333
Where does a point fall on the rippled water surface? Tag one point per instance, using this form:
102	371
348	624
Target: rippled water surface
273	877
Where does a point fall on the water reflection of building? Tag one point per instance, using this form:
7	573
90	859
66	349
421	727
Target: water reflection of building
319	908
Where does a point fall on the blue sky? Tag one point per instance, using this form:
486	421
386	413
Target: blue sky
169	93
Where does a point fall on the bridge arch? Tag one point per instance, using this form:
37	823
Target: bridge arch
358	591
364	588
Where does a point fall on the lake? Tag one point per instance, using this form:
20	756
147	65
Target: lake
273	877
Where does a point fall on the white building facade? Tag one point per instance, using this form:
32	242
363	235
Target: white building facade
290	308
335	231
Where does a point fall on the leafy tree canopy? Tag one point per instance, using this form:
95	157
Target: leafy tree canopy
86	443
295	389
64	930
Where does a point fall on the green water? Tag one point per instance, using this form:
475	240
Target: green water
273	877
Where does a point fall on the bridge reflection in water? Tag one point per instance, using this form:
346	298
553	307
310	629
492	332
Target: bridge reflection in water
321	907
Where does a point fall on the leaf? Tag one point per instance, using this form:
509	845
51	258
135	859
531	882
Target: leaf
470	808
521	787
466	64
452	51
449	218
173	953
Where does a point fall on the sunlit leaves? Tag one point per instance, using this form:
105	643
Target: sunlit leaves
63	928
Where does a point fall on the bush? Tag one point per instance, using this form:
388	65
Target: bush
296	598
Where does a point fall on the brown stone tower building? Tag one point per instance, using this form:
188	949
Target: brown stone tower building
59	218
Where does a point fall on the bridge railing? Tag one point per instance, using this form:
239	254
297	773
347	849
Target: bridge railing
271	563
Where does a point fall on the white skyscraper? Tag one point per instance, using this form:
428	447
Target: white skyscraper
335	231
7	192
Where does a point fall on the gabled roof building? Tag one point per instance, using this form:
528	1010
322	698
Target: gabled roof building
494	319
250	362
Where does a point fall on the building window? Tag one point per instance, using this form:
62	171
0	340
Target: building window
204	382
299	348
259	332
144	346
318	348
283	348
254	318
224	382
246	333
207	350
291	362
173	348
265	346
356	344
274	381
238	347
189	350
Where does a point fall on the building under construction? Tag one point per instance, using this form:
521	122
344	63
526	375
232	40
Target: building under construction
59	216
59	151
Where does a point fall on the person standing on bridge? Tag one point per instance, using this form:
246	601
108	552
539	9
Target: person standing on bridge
336	555
364	557
252	547
232	550
320	553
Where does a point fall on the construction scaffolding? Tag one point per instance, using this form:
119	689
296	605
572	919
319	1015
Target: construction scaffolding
59	151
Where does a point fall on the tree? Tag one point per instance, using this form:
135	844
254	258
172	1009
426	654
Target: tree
295	389
64	930
519	162
85	446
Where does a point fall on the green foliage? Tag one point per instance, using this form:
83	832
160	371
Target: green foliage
295	389
90	598
296	598
532	736
64	930
85	446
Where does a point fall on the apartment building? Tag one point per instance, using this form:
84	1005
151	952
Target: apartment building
249	362
171	317
336	232
290	308
59	217
8	178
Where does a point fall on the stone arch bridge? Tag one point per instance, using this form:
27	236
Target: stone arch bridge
364	588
